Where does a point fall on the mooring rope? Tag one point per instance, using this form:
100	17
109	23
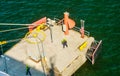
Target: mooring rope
13	24
14	29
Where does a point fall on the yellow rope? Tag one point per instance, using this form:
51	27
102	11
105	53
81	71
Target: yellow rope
34	34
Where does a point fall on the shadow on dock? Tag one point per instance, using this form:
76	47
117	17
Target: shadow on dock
16	68
52	63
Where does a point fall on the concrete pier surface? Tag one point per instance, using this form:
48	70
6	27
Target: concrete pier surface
43	55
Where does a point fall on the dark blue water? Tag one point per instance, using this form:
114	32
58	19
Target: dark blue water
102	20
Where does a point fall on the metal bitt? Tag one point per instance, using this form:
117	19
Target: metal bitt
82	28
49	23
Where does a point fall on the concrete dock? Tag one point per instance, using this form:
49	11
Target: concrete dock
63	61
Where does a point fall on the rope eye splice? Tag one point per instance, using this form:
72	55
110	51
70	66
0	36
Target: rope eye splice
3	42
41	27
31	36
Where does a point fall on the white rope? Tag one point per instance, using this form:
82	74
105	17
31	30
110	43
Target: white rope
14	40
14	29
13	24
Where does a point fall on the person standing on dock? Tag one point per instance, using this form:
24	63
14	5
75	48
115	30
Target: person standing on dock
28	70
64	43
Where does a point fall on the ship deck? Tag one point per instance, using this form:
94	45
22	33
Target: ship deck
65	60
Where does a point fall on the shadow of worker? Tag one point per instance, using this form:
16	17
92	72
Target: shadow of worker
51	70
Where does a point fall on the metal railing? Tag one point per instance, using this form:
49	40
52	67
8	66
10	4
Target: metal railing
59	21
75	28
56	19
96	51
78	30
93	51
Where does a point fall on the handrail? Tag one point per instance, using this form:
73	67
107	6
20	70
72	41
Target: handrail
78	30
56	19
93	59
87	33
93	51
75	28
